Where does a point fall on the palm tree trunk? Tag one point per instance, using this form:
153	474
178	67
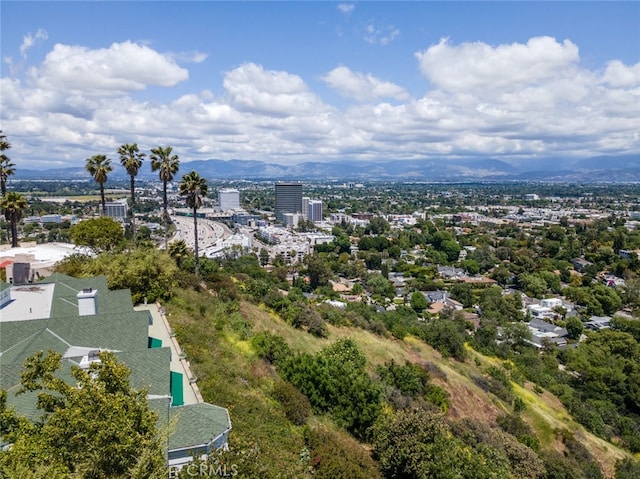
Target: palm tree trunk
133	208
165	201
165	216
3	185
14	233
104	203
195	235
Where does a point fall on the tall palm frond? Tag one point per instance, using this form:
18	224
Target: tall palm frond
13	204
194	188
131	158
167	164
99	166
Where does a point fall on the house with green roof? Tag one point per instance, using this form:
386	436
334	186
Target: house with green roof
78	318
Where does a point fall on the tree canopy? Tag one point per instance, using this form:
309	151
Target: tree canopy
98	234
97	427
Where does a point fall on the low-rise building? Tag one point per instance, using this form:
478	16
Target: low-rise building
79	318
543	332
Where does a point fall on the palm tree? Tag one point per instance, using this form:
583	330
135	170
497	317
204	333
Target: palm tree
13	204
168	165
194	187
131	159
178	251
99	166
6	167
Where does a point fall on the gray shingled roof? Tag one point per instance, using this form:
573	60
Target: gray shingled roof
116	326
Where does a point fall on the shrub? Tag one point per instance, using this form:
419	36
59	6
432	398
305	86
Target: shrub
410	379
271	347
437	396
337	456
627	469
335	381
296	406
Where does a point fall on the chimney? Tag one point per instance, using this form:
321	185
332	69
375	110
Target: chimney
88	302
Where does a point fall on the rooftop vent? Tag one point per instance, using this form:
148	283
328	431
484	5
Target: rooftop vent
88	302
92	357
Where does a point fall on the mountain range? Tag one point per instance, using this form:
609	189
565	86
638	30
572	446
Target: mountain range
623	168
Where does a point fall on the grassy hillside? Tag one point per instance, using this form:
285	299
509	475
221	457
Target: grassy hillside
216	338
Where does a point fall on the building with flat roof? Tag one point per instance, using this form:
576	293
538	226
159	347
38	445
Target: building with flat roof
314	211
41	258
288	199
229	199
78	318
305	207
116	209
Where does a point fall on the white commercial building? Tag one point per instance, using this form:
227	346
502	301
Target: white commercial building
291	219
229	199
116	209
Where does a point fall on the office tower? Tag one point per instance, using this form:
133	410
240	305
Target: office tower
228	199
288	199
305	207
315	210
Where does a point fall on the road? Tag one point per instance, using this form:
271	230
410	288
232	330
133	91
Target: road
208	232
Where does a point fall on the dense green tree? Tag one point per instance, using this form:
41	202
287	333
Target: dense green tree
419	301
377	226
99	166
532	284
149	273
463	293
574	327
96	427
98	234
631	326
608	298
194	188
447	336
318	271
607	385
381	286
271	347
335	381
13	204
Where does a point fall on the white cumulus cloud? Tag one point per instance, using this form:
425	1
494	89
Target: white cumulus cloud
526	100
618	74
511	66
278	93
362	87
123	67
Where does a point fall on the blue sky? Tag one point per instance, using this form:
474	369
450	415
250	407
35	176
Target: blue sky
311	81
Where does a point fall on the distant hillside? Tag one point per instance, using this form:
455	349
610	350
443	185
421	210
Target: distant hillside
609	163
602	168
